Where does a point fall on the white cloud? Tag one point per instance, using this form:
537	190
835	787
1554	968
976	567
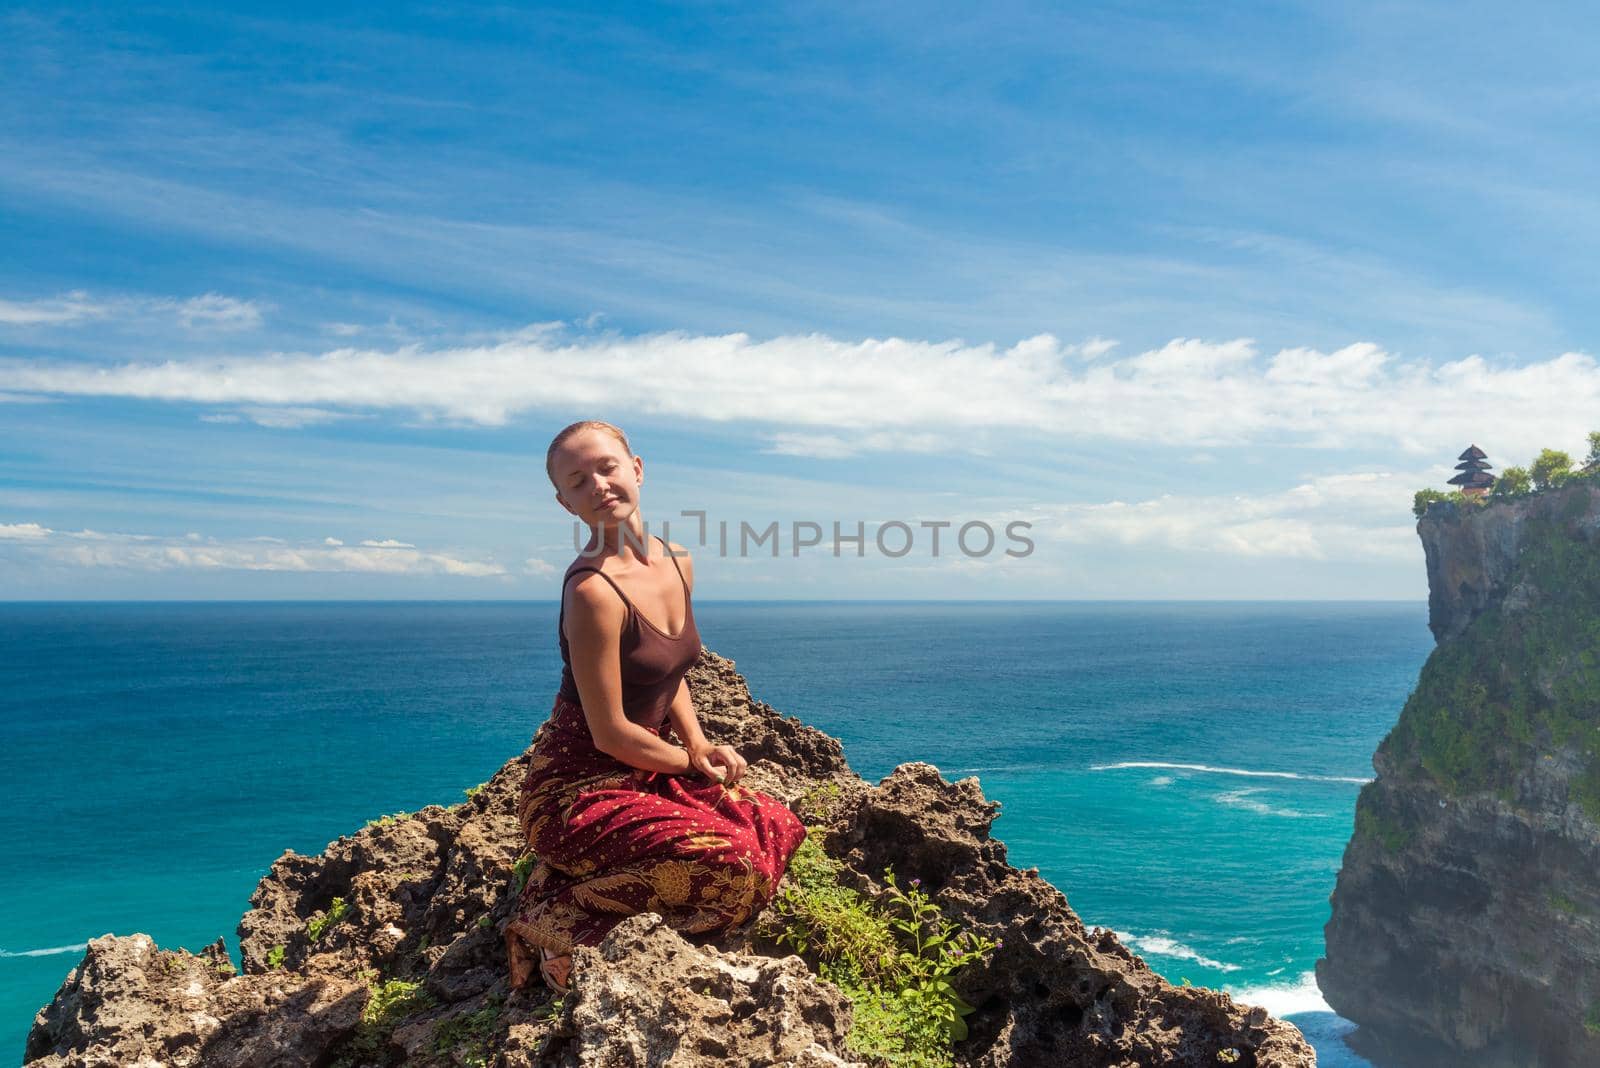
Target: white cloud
818	396
290	418
332	541
148	552
535	566
1320	519
52	311
214	310
209	311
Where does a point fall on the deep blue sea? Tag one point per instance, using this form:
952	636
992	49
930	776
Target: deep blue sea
1185	772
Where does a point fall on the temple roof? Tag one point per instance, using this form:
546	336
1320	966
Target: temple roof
1473	453
1473	478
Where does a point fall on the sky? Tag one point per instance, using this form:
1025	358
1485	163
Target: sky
1179	301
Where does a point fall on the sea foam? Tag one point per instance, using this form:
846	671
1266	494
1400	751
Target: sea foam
1162	945
51	952
1227	771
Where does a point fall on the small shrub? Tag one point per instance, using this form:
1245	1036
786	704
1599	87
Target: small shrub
1385	832
1562	904
1423	498
317	926
522	869
893	960
388	1004
275	957
387	820
466	1038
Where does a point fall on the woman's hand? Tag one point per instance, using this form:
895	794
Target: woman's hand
719	763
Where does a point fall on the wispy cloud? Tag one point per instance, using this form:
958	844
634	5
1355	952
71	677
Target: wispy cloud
213	310
823	397
210	311
1332	517
147	552
70	308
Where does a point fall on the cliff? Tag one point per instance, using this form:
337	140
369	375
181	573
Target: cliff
386	950
1466	917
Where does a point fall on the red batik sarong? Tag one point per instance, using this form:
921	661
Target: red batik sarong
611	841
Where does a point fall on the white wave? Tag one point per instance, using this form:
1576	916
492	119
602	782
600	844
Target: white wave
1163	946
1284	1000
1241	799
1161	780
52	951
1226	771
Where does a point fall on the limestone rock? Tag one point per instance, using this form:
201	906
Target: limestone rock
418	902
645	996
1465	927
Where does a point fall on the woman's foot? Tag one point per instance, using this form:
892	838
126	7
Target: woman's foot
556	970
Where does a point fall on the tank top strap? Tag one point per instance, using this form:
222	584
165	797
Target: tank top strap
561	619
674	557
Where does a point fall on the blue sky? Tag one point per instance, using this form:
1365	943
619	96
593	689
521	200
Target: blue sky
291	303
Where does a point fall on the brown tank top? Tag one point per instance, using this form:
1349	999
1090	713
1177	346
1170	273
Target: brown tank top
653	662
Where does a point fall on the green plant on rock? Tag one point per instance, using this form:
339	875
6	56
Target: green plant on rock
1369	824
894	960
1562	903
939	949
466	1038
387	820
275	957
317	926
1423	498
388	1004
1515	684
522	869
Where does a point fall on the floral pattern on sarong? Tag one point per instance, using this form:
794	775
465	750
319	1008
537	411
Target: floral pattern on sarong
611	841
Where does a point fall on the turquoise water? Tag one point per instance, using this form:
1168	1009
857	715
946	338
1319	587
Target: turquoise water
1185	772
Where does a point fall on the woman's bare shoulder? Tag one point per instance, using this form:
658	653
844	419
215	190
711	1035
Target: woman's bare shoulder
589	595
684	560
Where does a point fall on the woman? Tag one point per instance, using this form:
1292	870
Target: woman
622	820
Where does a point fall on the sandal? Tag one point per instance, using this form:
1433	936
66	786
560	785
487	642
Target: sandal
550	968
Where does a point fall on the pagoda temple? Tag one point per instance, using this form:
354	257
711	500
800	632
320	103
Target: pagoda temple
1474	478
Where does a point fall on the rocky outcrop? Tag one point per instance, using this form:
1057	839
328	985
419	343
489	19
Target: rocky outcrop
386	949
1465	927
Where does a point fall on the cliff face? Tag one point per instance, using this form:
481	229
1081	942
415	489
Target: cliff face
387	950
1466	918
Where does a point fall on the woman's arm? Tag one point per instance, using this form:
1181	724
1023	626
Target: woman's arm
720	762
594	620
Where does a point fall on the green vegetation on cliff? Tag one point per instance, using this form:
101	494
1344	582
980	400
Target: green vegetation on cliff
1515	685
1550	469
893	960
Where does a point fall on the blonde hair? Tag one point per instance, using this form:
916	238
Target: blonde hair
573	428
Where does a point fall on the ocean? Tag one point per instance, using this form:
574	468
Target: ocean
1184	772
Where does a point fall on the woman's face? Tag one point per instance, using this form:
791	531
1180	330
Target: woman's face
596	479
